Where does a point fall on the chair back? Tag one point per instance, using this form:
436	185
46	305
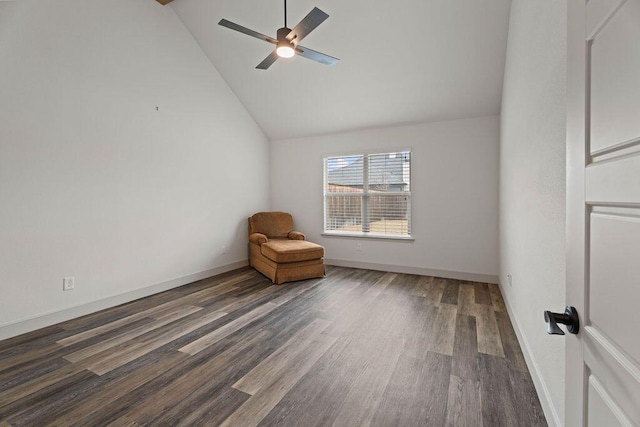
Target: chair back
274	225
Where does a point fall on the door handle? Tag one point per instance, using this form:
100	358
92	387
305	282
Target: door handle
569	318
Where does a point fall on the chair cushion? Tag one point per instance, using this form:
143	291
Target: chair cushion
283	251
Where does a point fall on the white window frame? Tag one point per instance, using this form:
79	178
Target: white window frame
365	195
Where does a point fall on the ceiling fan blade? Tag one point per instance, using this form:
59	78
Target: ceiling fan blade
316	56
308	24
246	31
268	61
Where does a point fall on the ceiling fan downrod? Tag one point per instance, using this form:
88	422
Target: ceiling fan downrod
285	13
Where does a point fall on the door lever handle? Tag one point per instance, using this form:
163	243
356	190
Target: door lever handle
569	318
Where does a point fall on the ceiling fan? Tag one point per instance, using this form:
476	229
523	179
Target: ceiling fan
287	40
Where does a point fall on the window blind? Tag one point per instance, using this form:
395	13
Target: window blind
368	194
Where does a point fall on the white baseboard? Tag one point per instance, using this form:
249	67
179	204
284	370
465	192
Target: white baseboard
31	324
546	402
471	277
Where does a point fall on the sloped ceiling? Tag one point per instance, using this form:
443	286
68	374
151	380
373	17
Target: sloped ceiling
405	61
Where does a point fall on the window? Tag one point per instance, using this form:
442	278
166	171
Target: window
368	194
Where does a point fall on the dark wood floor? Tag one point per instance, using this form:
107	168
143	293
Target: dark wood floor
358	347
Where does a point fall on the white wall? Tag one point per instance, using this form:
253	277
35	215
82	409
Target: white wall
454	196
94	181
532	188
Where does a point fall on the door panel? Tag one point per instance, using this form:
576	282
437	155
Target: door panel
612	181
603	212
602	409
615	61
614	371
614	262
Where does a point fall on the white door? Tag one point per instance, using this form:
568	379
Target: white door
603	212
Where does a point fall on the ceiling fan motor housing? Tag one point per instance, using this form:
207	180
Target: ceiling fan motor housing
283	33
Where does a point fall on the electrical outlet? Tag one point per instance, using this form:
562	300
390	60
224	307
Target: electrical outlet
223	250
510	279
68	283
358	247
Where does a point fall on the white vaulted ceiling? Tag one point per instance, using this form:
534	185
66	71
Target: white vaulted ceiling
401	62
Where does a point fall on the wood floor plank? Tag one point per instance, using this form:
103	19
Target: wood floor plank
349	283
466	299
237	359
463	404
295	290
120	322
161	394
421	288
265	372
450	293
115	390
352	308
465	349
102	365
443	330
165	319
399	406
331	304
228	329
260	404
526	401
30	372
50	406
11	409
249	298
365	395
482	294
496	392
36	353
30	387
217	287
418	342
401	286
249	278
102	317
214	410
434	292
414	395
496	298
204	295
30	341
35	358
489	341
399	311
318	396
380	285
512	351
173	313
307	303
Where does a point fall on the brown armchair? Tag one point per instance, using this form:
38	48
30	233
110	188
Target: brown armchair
279	252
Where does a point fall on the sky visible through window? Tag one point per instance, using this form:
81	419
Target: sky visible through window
334	163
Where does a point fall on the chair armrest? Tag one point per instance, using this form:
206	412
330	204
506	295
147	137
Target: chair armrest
296	235
258	238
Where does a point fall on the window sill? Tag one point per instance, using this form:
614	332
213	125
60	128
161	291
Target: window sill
369	236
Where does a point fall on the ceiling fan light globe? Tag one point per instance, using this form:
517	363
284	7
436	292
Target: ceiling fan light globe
285	51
